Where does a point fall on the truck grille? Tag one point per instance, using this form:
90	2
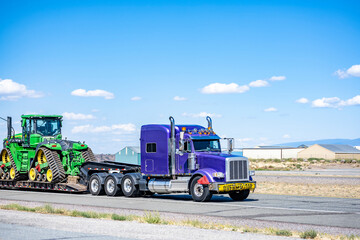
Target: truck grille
237	170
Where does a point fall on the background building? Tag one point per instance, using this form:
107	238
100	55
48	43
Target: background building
271	152
129	155
330	151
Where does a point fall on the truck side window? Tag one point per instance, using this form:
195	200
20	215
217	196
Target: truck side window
187	146
151	147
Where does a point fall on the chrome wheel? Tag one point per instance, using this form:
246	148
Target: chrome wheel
110	186
127	185
94	185
198	189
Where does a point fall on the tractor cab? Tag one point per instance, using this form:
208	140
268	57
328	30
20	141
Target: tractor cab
36	128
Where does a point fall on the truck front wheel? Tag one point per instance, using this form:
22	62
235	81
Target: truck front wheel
199	192
239	195
128	187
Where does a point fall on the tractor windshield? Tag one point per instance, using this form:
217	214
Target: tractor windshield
208	145
48	126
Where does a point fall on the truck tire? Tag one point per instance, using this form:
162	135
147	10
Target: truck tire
88	155
239	195
128	187
199	192
95	186
111	187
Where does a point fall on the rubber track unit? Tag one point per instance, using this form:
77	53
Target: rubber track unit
88	155
55	165
17	174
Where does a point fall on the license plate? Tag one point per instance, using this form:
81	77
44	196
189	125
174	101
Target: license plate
235	186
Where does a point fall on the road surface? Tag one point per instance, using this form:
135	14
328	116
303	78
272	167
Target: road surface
319	213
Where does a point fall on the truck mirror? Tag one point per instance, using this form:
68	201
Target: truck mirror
181	145
230	144
182	136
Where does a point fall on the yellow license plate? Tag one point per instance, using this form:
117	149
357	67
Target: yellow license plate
236	186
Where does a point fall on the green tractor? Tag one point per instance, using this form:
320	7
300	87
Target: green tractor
39	153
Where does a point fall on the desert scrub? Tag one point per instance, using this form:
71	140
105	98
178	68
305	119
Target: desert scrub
310	234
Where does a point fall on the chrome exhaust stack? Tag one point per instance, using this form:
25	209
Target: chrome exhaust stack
172	145
209	123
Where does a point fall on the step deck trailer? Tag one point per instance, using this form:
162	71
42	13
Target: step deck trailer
80	183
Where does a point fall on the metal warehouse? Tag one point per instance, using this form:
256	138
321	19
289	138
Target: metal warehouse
271	152
330	151
129	155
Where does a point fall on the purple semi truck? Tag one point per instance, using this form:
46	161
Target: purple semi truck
180	159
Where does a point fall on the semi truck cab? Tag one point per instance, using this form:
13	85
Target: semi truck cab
188	158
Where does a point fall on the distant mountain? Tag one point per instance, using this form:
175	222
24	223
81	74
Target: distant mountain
351	142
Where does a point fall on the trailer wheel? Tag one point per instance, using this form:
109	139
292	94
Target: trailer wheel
95	186
111	188
239	195
128	187
199	192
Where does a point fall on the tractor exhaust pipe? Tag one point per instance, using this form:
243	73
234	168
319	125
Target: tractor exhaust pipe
172	145
9	127
209	123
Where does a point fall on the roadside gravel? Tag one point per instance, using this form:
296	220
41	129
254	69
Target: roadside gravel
69	228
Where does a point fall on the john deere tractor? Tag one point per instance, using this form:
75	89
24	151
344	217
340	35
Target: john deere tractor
39	153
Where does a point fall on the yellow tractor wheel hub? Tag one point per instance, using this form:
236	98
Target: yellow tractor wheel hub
5	158
41	157
12	173
49	175
32	174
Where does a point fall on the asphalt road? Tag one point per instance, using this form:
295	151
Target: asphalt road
317	211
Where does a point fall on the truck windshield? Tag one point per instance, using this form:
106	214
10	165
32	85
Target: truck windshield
48	126
208	145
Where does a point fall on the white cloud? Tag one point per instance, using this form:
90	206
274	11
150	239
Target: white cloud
116	128
353	71
331	102
277	78
259	83
302	100
135	98
93	93
10	90
177	98
286	136
350	102
335	102
77	116
215	88
202	115
270	109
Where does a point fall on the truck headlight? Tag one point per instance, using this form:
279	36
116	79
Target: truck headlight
218	174
252	173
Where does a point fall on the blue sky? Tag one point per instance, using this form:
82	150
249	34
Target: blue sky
267	71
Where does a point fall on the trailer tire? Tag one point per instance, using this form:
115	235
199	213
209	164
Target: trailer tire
128	187
111	187
95	186
199	192
239	195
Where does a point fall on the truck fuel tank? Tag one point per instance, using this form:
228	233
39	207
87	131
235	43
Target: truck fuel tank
168	186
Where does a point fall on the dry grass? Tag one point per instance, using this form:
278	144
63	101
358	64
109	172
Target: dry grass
318	190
